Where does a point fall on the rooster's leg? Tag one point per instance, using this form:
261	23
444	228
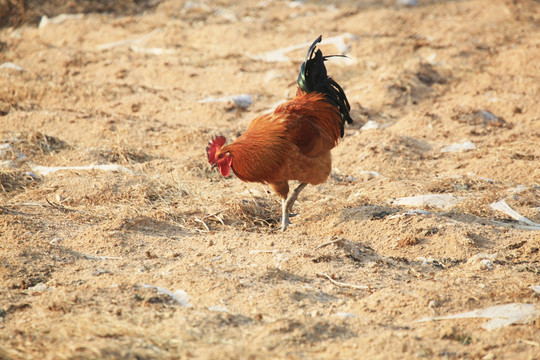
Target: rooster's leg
288	204
285	216
294	196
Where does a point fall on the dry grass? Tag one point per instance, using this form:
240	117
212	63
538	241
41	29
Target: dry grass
35	142
460	184
122	155
12	180
253	212
183	203
30	144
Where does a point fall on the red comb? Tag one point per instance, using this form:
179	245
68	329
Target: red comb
213	146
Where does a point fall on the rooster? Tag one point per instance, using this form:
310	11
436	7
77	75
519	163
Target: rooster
293	142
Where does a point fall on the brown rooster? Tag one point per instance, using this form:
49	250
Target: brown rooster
293	142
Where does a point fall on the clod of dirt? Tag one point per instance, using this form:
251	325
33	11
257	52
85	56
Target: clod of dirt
408	240
482	118
358	251
428	75
458	183
413	86
367	212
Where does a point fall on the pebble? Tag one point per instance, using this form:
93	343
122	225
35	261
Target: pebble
456	147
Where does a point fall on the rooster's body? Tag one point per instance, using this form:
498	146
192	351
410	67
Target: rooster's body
293	142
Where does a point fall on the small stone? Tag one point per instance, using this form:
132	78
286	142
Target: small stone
55	240
486	264
407	2
368	175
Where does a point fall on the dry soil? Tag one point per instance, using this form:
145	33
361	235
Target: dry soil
157	256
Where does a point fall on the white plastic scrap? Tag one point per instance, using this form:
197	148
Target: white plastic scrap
345	315
180	296
456	147
226	14
295	4
518	189
484	260
217	308
241	100
59	19
38	288
413	212
427	261
370	125
152	51
489	116
47	170
134	41
407	2
481	256
279	54
7	164
487	264
370	174
503	207
195	5
55	240
12	66
32	175
5	148
500	315
442	201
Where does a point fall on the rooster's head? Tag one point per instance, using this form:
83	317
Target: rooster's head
223	159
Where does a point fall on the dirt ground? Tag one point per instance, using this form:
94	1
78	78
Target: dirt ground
140	250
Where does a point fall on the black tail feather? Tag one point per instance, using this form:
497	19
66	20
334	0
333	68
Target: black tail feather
313	77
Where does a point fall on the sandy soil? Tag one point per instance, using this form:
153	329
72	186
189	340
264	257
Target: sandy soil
159	257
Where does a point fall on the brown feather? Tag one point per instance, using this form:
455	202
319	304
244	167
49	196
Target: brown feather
292	143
